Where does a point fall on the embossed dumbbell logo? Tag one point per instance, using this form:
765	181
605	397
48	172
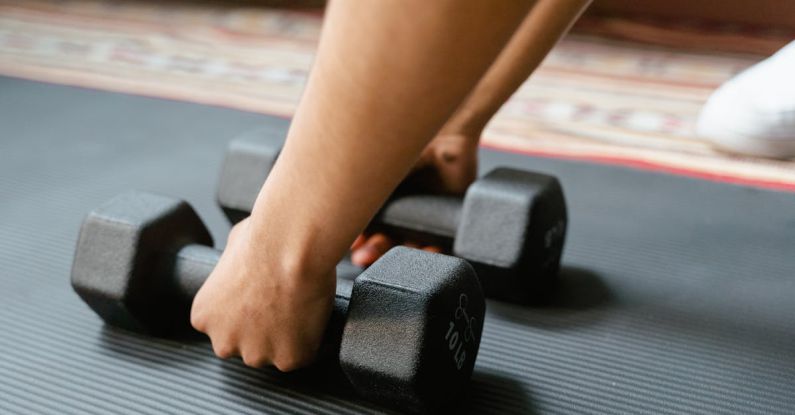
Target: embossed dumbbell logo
455	341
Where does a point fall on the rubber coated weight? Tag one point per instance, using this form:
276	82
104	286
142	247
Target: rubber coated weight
248	161
406	331
511	224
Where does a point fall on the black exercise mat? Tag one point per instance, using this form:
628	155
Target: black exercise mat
678	295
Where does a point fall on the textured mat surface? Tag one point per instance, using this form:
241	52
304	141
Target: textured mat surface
677	294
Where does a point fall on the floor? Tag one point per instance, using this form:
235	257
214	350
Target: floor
675	294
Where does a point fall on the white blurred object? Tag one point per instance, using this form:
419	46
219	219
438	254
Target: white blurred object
754	112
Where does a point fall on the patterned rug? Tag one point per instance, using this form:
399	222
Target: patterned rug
602	99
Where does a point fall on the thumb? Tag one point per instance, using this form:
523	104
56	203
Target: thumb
455	168
426	160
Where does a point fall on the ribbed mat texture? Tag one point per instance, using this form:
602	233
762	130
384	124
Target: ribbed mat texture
677	296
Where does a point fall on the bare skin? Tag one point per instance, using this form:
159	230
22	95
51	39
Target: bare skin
377	96
379	90
449	162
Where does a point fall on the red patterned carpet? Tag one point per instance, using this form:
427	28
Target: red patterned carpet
605	99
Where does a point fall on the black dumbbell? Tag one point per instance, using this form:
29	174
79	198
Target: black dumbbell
406	331
511	224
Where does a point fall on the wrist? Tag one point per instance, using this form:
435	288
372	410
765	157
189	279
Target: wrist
288	234
287	246
466	123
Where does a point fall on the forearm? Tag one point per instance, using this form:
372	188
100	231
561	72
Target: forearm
376	96
548	21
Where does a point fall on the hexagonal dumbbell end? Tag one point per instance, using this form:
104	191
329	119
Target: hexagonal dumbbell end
125	259
513	227
247	163
413	330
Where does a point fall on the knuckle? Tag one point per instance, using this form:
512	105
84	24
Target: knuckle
223	350
284	365
255	360
236	229
290	362
197	321
231	236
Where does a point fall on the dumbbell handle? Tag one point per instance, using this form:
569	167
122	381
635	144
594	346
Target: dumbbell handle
193	264
243	175
437	215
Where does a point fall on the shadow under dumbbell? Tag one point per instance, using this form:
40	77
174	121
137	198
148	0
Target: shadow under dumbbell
322	381
151	351
577	289
570	301
251	386
489	392
493	393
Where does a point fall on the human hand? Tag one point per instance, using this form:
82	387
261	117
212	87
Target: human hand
447	165
258	306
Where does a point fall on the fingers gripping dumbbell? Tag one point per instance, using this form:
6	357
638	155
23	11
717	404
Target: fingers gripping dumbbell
406	331
510	225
